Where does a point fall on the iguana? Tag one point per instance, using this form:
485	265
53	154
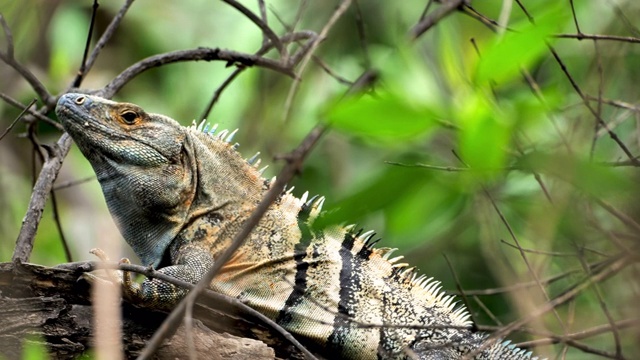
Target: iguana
179	194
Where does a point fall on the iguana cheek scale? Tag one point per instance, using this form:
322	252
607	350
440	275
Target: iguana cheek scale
179	194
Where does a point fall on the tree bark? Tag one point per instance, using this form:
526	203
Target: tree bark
51	307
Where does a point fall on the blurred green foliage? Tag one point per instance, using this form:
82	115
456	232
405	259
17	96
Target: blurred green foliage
459	115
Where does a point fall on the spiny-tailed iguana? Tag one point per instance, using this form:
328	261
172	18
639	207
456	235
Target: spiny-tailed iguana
179	194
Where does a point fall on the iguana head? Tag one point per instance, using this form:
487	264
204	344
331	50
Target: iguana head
156	175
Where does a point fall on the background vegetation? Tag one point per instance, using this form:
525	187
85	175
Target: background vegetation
505	136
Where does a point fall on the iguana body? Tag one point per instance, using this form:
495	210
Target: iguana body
179	194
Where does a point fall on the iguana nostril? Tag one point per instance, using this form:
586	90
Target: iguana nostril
80	100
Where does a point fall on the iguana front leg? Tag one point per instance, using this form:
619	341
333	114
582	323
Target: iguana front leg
190	266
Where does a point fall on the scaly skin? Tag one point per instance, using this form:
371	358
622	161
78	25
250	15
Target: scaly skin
179	194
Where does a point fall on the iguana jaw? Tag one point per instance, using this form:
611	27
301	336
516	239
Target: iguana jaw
146	186
105	134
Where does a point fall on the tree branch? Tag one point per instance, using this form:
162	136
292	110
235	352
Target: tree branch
205	54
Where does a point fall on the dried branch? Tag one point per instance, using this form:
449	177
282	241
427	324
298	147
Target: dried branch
37	114
263	50
204	54
581	36
306	52
585	100
8	35
14	122
7	58
39	196
82	71
446	8
601	274
266	30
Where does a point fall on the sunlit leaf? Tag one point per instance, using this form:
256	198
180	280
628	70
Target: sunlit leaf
518	48
484	135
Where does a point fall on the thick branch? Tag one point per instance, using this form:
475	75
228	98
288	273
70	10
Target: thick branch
39	196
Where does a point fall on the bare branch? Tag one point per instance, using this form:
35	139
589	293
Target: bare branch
581	36
8	58
265	47
37	114
585	100
8	35
14	122
434	17
604	273
266	30
82	71
41	190
306	52
106	36
205	54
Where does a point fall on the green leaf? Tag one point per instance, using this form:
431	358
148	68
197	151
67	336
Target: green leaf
386	118
379	194
518	48
485	134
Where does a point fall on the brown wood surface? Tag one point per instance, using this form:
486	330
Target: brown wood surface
52	306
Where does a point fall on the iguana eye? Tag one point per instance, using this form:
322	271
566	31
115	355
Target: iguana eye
129	117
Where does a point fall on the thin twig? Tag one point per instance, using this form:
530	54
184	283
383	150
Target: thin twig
491	24
613	268
362	34
587	333
56	220
71	183
14	122
108	33
463	295
83	70
624	218
605	309
308	51
26	74
585	100
523	254
266	47
266	30
524	10
35	113
616	103
575	18
263	16
580	36
330	72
